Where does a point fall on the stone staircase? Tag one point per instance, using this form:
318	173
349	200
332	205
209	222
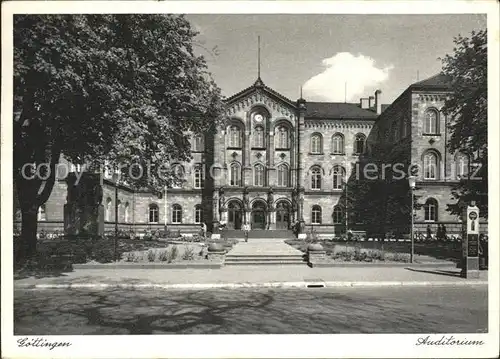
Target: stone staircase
264	249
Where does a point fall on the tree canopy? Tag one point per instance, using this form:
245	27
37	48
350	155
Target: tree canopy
121	87
467	109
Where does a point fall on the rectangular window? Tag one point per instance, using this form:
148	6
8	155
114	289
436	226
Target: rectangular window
153	215
198	178
430	213
316	217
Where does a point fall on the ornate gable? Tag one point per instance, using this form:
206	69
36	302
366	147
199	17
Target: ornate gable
260	94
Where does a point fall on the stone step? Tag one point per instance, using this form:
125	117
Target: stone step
259	262
263	257
259	234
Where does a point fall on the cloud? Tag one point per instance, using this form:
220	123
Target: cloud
359	72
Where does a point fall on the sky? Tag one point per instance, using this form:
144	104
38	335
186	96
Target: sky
333	57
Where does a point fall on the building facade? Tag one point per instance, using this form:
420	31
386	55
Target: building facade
281	164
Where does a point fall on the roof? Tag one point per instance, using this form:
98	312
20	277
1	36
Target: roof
259	84
436	82
337	110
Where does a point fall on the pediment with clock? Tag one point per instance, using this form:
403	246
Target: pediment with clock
260	105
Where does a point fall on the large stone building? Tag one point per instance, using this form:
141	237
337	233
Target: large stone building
276	163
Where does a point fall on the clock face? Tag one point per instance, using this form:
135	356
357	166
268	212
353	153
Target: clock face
258	118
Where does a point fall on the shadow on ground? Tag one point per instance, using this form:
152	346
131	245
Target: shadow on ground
158	311
448	273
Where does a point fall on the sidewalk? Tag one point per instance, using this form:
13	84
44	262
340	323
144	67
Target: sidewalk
253	276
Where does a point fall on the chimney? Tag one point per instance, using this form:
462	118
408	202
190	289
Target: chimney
371	99
378	101
364	103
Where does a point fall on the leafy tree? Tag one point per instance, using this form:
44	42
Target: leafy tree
123	87
467	109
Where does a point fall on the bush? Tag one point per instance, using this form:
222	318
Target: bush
399	257
172	254
130	257
151	255
163	256
188	254
172	234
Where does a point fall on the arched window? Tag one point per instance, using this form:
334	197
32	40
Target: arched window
338	215
198	176
405	130
316	178
198	214
178	175
430	166
338	177
359	143
259	175
431	122
127	212
316	145
198	143
283	175
154	213
259	137
283	137
462	162
234	174
338	144
42	215
107	210
316	215
118	209
430	209
234	137
176	213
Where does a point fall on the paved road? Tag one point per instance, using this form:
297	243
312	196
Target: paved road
256	311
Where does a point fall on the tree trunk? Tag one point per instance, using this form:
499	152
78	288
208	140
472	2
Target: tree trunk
27	244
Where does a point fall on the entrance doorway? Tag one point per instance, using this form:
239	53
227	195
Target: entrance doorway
259	215
282	215
234	215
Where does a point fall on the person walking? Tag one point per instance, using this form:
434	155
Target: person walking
246	229
204	230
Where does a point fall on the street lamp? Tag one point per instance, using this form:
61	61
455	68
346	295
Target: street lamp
115	243
412	182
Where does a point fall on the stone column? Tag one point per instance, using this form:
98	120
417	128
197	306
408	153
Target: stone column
215	211
272	219
301	230
300	140
246	177
219	157
270	173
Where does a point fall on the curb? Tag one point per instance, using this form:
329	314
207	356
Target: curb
208	265
195	286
